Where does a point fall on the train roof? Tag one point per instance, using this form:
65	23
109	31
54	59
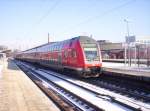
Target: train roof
39	46
86	39
80	38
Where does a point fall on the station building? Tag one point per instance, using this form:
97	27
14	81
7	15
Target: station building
4	51
111	50
138	49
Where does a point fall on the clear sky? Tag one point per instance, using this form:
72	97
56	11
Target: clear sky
26	23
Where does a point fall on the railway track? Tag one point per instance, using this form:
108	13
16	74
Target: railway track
134	89
78	98
74	102
120	97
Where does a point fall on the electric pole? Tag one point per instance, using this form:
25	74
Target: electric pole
48	37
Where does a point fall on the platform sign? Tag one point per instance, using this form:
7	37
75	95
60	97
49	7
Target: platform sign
130	39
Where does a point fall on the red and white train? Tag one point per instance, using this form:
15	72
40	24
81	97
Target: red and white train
80	55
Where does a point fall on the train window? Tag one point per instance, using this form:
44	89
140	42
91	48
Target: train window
70	44
42	49
73	53
45	49
60	47
56	47
65	54
52	47
49	48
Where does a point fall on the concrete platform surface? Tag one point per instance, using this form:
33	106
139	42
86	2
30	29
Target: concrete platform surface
142	70
19	93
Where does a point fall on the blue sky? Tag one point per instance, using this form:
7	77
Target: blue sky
25	23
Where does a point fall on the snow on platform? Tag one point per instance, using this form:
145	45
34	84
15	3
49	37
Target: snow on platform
19	93
121	68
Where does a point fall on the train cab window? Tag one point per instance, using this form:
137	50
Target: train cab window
91	51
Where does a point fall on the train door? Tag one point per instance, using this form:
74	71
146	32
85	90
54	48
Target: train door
73	55
65	57
59	59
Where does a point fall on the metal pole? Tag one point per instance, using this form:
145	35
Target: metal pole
135	55
127	26
138	56
127	22
130	54
125	54
48	37
147	56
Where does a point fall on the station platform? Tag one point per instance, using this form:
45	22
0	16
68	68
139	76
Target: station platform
19	93
141	71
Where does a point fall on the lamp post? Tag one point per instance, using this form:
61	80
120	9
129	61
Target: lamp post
127	26
128	44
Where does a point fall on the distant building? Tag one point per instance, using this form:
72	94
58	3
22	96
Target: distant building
138	49
3	48
2	56
143	43
111	50
143	40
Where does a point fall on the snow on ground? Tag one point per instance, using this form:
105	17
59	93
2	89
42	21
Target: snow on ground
102	103
126	67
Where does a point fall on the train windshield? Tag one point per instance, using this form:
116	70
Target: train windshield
91	51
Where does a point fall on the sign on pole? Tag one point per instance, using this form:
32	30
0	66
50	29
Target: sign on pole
130	39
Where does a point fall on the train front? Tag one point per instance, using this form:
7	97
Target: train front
92	57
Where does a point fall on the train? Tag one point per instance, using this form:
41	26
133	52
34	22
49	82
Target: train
80	55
